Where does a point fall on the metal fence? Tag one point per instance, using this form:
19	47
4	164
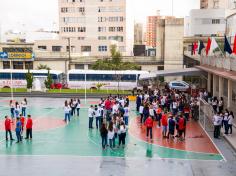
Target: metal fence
206	114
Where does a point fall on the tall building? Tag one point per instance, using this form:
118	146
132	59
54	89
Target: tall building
138	34
213	4
151	31
203	4
93	26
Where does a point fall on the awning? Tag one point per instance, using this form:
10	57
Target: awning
183	72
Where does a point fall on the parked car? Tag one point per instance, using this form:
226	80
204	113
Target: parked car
179	85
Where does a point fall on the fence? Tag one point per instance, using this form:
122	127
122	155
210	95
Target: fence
206	114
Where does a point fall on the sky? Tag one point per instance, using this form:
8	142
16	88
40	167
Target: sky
30	15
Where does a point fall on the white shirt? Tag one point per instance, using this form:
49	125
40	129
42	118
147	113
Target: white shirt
122	129
115	108
111	134
67	109
141	109
146	96
23	104
151	112
97	112
230	118
217	120
17	108
12	105
78	105
122	102
90	112
174	105
126	109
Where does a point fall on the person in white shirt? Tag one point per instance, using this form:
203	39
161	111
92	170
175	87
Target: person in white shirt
174	107
126	115
67	112
122	101
17	109
230	122
217	120
111	135
151	112
115	108
23	107
141	113
98	117
91	114
12	109
78	107
122	134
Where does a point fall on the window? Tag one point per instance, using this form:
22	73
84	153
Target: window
17	65
81	29
101	29
42	47
79	66
215	21
102	48
102	38
76	77
85	48
29	65
56	48
6	65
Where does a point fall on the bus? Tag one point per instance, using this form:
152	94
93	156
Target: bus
123	80
19	80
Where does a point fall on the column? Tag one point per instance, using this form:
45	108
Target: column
209	82
221	86
214	86
230	94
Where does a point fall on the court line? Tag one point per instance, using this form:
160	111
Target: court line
165	146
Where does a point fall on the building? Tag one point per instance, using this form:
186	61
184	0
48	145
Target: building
138	34
151	31
92	26
231	20
203	4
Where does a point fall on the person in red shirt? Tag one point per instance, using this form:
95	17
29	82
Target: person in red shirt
29	125
186	112
164	123
22	120
182	126
8	128
159	111
149	125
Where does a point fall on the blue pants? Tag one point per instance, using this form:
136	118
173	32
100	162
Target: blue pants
12	113
126	119
98	122
90	122
23	111
77	111
18	136
8	131
17	113
67	117
112	142
149	130
104	141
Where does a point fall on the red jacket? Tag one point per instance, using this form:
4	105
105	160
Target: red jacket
7	124
29	124
22	120
149	122
181	124
164	120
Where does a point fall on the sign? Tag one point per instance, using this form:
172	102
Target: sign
3	55
19	55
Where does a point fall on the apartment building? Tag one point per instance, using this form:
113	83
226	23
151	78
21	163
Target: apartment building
138	33
90	27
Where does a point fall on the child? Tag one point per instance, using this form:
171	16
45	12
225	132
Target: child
23	107
171	131
182	126
78	107
103	132
141	113
18	130
29	125
17	109
97	116
8	128
126	115
149	125
67	112
164	123
22	120
111	135
91	114
122	134
12	109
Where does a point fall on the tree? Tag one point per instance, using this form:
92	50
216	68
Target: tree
29	79
99	85
43	67
48	82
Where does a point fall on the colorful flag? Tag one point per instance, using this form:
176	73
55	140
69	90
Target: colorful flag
234	48
195	47
208	46
214	45
200	47
227	47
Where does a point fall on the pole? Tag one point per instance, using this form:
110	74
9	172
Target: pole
85	88
11	66
69	53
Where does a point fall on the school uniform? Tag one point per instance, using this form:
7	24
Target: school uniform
29	127
8	129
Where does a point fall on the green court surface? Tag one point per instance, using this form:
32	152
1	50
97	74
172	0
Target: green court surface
51	136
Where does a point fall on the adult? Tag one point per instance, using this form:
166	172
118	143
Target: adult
67	112
29	127
91	114
149	126
23	107
8	128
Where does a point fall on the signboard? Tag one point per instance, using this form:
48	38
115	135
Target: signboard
3	55
19	55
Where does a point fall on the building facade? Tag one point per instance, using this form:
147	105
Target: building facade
92	26
151	31
138	34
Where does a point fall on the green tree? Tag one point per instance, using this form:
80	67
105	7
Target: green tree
29	79
43	67
48	82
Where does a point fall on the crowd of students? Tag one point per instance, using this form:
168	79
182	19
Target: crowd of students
112	118
17	120
71	108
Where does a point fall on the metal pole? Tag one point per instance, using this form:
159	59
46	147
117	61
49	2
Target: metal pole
11	67
85	88
69	53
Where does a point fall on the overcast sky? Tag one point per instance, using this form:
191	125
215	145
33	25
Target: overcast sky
34	14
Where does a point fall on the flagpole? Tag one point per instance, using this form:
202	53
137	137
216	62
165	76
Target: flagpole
11	67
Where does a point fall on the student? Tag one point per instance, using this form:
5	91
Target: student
18	130
141	113
182	127
217	124
111	135
230	121
23	107
8	128
149	126
225	121
22	120
122	134
17	109
73	106
12	110
91	114
97	117
164	123
171	125
67	112
78	107
29	126
126	115
186	112
159	115
103	132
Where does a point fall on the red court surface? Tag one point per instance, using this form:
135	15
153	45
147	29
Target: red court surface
40	124
196	139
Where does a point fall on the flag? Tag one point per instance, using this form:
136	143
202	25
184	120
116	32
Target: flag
195	47
200	47
208	46
214	45
234	48
227	47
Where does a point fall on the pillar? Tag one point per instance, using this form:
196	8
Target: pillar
221	83
209	82
230	94
214	85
